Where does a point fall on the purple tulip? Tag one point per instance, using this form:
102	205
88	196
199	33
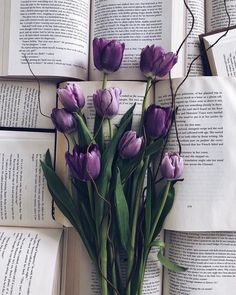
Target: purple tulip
72	97
106	102
172	166
155	62
130	145
84	164
157	120
63	120
107	55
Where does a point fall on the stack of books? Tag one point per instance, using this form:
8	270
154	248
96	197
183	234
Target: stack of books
53	40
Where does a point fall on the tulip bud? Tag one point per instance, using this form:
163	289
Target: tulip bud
106	102
84	164
130	145
157	120
155	62
63	120
107	55
71	97
172	166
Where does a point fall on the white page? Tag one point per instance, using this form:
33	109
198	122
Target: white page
137	23
28	260
216	17
192	45
206	123
54	35
25	199
19	104
211	261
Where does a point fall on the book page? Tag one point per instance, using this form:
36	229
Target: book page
25	199
192	45
54	35
82	277
137	23
216	17
210	259
28	259
19	104
222	56
206	123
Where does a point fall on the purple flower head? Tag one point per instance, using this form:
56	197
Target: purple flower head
172	166
107	55
155	62
84	164
130	145
157	120
72	97
106	102
63	120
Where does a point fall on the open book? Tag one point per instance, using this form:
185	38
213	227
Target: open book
56	37
30	239
196	228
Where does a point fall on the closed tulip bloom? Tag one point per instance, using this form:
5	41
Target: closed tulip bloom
63	120
84	164
106	102
130	145
155	62
172	166
72	97
107	55
157	120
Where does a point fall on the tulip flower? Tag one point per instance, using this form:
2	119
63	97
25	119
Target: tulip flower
157	120
130	145
172	166
63	120
72	97
106	102
107	55
84	164
155	62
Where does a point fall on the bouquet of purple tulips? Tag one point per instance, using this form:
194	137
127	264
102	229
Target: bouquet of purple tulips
115	204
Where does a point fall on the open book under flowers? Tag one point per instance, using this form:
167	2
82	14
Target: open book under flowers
118	202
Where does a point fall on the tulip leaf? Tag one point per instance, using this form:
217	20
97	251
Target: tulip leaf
166	209
169	264
148	206
84	134
48	159
122	212
66	204
98	132
104	178
154	147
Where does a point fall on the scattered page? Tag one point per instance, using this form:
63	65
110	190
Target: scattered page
206	123
54	36
210	259
25	199
137	23
20	106
28	259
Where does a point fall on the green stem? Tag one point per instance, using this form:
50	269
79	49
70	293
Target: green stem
113	267
110	128
134	224
90	193
104	82
104	257
144	106
160	210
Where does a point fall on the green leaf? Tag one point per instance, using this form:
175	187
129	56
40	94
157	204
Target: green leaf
48	159
154	148
166	210
104	178
169	264
148	206
158	243
65	203
122	212
84	134
98	132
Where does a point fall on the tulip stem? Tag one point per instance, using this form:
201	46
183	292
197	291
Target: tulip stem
144	106
160	210
104	82
110	128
